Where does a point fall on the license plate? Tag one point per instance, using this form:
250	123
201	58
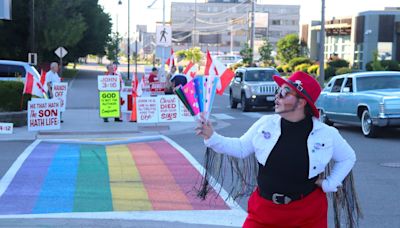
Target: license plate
271	98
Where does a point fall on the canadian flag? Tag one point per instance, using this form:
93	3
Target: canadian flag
190	71
171	60
215	67
33	86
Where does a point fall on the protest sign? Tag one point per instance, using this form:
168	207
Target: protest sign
109	104
6	128
147	109
108	82
60	93
43	114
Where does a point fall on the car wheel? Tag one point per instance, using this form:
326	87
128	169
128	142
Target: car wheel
232	101
368	128
324	119
244	103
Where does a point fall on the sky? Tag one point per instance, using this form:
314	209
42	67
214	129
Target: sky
309	10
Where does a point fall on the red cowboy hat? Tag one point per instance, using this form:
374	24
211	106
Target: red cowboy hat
304	85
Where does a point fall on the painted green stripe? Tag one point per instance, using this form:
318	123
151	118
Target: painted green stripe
92	185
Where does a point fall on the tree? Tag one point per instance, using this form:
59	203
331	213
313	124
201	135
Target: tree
288	48
113	47
265	52
376	64
247	54
192	54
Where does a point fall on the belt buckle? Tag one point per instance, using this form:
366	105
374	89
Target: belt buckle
275	199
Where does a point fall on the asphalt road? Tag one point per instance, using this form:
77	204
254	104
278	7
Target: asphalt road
377	183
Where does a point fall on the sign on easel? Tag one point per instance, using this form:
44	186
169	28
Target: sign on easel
43	114
147	109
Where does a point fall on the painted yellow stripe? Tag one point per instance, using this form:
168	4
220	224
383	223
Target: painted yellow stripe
128	192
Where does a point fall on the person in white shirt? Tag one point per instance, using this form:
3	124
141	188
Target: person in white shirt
51	78
292	149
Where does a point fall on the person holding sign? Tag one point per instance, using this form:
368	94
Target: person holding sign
112	70
51	78
153	78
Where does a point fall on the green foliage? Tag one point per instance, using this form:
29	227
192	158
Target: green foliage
247	54
343	70
113	47
69	73
338	63
279	68
314	70
265	52
329	72
302	67
390	65
376	64
286	68
234	66
81	26
194	54
11	95
299	60
288	48
181	54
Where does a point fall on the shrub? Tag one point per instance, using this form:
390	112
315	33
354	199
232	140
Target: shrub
234	66
329	72
302	67
338	63
279	68
390	65
11	95
314	69
342	70
299	60
368	66
286	68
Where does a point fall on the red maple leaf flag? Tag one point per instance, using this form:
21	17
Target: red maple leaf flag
171	60
33	86
215	67
190	71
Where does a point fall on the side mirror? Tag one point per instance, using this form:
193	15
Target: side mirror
238	79
346	89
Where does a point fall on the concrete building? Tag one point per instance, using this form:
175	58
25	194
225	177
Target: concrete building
146	41
224	26
355	39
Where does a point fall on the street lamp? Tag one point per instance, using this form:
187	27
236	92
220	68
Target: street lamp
129	45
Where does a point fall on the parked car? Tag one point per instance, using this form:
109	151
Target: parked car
368	99
15	70
253	87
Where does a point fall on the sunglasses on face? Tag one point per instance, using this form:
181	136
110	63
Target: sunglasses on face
284	92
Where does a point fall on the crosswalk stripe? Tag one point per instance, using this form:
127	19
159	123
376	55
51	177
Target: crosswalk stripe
222	116
253	114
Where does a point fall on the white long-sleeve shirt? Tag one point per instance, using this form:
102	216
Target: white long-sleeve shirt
324	143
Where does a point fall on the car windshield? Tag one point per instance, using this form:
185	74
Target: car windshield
378	82
260	75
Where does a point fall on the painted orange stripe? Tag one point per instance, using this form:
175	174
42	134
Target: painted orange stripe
162	190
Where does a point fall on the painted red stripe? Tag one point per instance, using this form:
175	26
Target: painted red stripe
163	192
186	176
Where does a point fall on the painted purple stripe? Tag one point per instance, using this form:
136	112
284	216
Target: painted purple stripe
23	191
186	176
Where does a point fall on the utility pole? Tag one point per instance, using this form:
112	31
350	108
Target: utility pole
33	27
194	24
162	70
129	40
322	46
252	30
231	36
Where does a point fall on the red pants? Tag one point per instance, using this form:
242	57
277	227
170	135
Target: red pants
309	212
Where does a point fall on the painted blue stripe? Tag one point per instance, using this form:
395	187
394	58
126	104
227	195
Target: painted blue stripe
57	194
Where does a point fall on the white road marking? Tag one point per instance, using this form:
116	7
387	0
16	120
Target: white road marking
222	116
256	115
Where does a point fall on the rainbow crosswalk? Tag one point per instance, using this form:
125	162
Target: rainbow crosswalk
147	175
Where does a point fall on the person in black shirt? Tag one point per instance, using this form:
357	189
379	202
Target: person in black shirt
179	78
292	149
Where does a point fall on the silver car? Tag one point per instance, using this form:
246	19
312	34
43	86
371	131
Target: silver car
368	99
253	87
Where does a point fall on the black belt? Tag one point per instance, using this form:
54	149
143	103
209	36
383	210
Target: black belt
279	198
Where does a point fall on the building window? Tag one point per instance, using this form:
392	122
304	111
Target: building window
276	22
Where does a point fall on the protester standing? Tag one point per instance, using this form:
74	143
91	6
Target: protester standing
51	78
112	70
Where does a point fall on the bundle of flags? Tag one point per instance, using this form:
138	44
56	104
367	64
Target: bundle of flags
34	86
199	93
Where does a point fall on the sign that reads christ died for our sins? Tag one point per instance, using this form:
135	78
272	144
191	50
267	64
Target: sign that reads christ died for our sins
43	114
109	104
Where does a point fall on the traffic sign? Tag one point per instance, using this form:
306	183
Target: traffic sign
61	52
163	35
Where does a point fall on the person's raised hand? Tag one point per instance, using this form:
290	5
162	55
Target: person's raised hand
204	127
